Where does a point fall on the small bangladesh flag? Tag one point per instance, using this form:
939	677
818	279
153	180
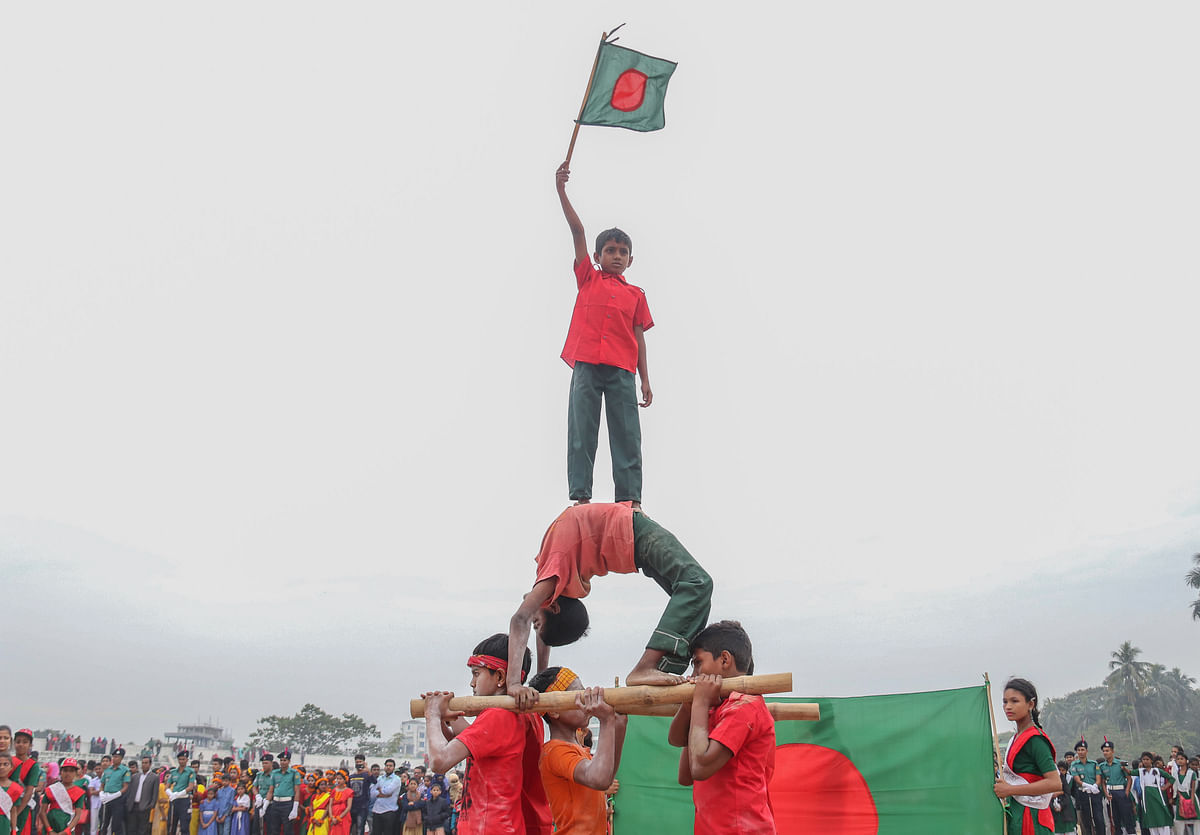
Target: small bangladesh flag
627	90
908	764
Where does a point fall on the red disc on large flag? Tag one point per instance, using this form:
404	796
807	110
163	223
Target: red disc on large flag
630	91
817	789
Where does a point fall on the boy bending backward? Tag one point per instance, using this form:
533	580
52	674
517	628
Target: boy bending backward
731	739
591	540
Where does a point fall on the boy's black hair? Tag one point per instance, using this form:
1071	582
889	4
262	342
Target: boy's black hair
567	625
543	680
1062	765
726	635
613	234
497	646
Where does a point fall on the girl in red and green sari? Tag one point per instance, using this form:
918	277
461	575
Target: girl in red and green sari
1028	775
10	793
319	818
65	802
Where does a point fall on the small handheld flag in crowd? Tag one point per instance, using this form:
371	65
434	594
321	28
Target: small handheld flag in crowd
626	89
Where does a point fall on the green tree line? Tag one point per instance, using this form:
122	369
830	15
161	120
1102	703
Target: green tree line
1139	705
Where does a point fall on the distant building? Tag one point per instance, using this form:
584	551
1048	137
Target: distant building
412	740
201	736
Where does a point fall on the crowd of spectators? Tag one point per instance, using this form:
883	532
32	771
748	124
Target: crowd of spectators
105	796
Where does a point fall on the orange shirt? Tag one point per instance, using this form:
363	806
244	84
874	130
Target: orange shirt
586	541
577	810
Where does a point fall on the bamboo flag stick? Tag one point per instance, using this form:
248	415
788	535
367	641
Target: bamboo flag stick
587	92
995	745
618	697
781	711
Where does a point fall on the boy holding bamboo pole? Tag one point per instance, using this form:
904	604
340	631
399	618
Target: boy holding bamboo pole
502	788
730	738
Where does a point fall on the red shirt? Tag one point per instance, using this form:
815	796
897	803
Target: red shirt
606	311
502	787
586	541
734	801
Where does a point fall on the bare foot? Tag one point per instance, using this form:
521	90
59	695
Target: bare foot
583	501
653	677
637	507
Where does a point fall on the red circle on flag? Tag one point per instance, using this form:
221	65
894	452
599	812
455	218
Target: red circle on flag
817	789
629	92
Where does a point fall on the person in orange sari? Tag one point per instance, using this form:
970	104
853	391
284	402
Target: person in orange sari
339	812
162	810
321	800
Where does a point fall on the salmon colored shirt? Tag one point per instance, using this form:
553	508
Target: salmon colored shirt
606	311
577	810
586	541
735	801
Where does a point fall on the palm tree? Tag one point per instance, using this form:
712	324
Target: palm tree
1128	677
1192	578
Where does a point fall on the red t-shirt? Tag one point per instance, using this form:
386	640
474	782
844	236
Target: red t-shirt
735	801
606	311
586	541
502	787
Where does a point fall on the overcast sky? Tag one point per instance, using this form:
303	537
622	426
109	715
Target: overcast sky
283	288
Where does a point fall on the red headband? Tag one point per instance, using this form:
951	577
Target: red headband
491	662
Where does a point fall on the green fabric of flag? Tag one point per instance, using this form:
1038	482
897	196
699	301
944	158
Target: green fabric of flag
628	90
909	764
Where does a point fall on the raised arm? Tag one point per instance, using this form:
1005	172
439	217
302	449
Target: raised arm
597	773
577	234
443	754
518	640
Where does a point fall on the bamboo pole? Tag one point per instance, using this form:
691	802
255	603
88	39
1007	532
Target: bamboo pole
587	92
995	746
618	697
781	711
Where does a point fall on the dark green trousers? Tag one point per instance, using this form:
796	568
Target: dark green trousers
661	557
590	382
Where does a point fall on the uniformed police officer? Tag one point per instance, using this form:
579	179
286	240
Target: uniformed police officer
113	784
283	798
1085	775
180	782
1116	778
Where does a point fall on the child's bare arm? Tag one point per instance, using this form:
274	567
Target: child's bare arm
705	756
443	754
518	640
643	366
577	234
685	773
598	772
677	735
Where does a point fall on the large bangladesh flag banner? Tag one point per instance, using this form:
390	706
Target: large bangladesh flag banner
908	764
